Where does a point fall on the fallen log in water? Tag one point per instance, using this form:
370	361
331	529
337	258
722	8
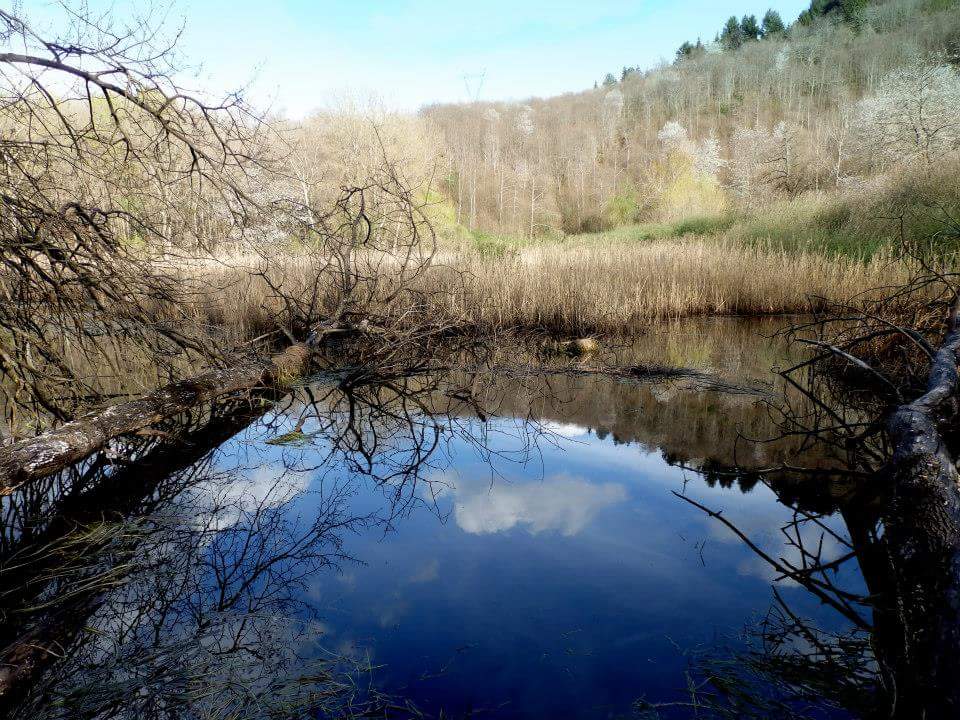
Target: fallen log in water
922	537
55	450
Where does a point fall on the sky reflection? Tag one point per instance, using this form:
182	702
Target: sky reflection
572	585
560	503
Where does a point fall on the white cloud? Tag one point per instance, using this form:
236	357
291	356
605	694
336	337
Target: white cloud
566	430
561	503
223	501
427	573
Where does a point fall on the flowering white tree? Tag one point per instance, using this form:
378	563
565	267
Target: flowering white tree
673	138
610	111
707	161
783	58
685	176
751	148
914	115
525	124
704	156
766	161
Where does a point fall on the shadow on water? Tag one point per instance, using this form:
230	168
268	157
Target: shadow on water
517	544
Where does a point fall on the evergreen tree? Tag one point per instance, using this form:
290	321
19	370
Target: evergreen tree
750	28
609	80
851	11
772	24
689	50
731	37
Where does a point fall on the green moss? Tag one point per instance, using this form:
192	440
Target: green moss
294	438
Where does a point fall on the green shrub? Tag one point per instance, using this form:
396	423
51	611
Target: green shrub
493	247
704	224
622	208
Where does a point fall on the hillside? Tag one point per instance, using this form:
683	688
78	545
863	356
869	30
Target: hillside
851	95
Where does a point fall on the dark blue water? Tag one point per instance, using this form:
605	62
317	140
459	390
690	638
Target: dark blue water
559	577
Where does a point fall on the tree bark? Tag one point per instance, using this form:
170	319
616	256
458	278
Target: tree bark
55	450
922	537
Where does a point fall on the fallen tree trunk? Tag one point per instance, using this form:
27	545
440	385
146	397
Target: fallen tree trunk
922	538
57	449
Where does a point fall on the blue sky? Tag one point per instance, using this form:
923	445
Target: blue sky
302	55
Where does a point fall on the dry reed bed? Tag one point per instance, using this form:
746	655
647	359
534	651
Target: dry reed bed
585	288
619	288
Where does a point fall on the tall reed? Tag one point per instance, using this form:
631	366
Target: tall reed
585	288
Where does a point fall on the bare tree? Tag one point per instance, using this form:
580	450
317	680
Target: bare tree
117	180
107	163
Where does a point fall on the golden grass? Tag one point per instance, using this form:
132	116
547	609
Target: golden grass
589	287
620	288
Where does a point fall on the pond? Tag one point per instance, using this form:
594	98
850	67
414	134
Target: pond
516	544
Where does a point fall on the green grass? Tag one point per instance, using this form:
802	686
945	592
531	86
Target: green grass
935	6
627	234
494	246
809	233
808	224
700	225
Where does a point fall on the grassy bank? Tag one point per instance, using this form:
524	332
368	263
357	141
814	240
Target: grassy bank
919	206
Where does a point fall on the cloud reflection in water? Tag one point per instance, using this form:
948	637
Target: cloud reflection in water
562	503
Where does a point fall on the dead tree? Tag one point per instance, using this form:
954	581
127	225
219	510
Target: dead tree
867	364
922	523
113	175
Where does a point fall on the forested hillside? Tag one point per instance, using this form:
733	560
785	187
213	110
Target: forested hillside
851	94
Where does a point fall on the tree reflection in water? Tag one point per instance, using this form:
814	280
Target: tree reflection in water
162	579
891	662
165	579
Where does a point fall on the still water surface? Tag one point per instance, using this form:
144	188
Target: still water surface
523	556
565	578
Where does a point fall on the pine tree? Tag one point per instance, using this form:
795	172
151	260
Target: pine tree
750	28
850	10
689	50
731	37
853	10
772	24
